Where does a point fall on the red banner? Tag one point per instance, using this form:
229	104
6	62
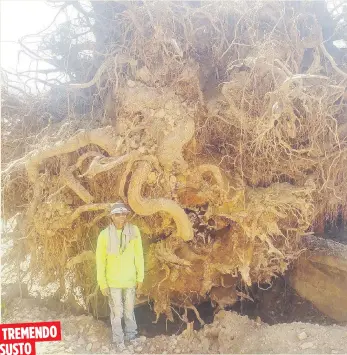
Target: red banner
20	338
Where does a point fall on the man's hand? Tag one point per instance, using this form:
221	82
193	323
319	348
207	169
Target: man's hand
105	291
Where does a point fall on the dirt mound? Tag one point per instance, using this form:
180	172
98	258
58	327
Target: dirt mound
232	333
229	333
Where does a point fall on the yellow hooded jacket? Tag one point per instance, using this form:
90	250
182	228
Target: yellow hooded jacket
119	270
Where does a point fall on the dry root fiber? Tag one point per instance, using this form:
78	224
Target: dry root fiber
222	124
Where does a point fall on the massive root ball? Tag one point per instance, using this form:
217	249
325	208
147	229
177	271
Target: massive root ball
221	124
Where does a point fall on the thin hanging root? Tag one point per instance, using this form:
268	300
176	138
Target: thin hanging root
244	271
97	77
15	165
123	180
75	186
197	314
86	208
272	249
150	158
167	274
182	318
185	316
86	255
244	296
35	201
147	207
332	61
97	219
85	156
92	295
101	164
101	137
192	307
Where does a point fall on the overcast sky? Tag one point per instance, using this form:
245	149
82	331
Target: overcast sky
20	18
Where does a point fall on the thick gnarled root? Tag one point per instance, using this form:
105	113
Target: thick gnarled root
102	137
147	207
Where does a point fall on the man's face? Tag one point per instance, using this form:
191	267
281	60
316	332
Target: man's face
119	220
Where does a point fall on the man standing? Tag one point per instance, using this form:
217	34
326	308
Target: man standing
120	268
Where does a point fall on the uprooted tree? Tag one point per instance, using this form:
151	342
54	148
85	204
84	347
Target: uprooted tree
222	124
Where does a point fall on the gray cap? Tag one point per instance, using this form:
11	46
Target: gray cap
119	208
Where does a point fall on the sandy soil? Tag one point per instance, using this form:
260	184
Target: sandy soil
229	333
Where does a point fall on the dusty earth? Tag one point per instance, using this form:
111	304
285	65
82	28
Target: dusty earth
229	333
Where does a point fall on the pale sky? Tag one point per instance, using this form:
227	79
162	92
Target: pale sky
20	18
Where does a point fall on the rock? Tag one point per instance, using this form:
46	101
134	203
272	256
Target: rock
334	352
152	349
89	346
105	349
96	346
80	341
258	321
324	263
138	349
177	351
302	336
307	345
142	339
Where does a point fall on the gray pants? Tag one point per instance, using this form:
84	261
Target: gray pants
122	303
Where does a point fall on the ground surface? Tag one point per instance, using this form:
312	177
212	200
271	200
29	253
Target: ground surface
229	333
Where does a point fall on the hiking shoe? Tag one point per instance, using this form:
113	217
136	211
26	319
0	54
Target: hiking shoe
129	341
119	346
131	338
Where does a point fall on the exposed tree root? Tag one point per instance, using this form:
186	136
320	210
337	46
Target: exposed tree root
103	137
74	185
102	164
147	207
